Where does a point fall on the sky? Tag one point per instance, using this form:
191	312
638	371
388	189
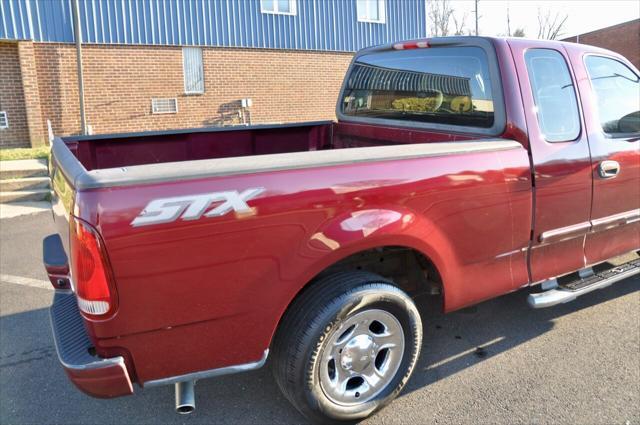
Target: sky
584	15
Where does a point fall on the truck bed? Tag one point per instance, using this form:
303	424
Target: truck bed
125	159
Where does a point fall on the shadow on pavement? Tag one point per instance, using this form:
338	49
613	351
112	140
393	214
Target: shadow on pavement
34	389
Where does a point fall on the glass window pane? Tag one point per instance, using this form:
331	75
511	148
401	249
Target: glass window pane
193	70
553	94
361	5
373	10
268	5
617	91
445	85
284	6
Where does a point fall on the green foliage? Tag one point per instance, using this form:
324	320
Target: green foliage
24	153
416	104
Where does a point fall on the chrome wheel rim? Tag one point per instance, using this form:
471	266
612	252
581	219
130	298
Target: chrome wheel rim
361	356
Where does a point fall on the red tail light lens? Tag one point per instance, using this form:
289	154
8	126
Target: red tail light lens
418	44
90	272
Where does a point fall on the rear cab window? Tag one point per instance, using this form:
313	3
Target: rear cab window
617	91
554	95
451	87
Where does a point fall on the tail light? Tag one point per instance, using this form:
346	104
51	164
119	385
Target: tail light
90	271
407	45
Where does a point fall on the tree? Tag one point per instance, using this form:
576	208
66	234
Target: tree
519	32
441	15
550	27
459	25
440	12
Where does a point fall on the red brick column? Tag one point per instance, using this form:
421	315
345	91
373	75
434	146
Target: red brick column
12	99
37	128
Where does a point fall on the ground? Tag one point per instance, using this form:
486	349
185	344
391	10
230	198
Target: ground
499	362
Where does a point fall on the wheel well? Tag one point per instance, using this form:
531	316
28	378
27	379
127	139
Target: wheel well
409	269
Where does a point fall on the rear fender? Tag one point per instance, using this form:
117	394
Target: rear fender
357	231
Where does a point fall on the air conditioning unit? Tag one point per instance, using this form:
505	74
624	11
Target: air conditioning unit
164	106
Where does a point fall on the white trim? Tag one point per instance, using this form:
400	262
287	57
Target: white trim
293	9
382	9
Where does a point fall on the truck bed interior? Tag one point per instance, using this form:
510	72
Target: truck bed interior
121	150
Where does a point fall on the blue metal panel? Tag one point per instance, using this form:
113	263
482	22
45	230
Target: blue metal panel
317	25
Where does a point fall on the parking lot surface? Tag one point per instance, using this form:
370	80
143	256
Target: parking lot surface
499	362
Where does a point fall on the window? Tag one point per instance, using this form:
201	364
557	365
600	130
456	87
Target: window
371	11
164	106
445	85
553	94
4	121
617	90
279	7
193	70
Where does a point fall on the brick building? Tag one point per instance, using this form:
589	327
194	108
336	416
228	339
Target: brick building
622	38
173	64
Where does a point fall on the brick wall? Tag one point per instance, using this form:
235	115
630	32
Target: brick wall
622	38
12	98
120	81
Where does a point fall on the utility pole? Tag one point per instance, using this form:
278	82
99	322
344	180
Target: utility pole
77	30
477	17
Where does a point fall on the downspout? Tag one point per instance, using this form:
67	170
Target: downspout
78	36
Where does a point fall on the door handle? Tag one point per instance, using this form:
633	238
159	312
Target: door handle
608	169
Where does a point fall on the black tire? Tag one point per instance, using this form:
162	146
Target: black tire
311	321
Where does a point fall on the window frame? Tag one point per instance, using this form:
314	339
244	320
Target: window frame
594	95
382	12
499	109
575	94
184	73
5	120
293	8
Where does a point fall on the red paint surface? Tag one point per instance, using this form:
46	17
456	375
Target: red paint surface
208	293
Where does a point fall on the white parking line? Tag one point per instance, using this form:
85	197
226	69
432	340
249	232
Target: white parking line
26	281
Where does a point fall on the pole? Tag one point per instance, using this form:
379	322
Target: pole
78	35
476	12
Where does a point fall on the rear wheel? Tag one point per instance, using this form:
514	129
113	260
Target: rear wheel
347	346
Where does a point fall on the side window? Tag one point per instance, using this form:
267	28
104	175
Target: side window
553	94
617	91
445	85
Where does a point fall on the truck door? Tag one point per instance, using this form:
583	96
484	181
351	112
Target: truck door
610	92
560	159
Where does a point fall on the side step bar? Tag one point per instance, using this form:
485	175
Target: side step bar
584	282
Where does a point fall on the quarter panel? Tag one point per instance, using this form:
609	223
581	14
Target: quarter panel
231	277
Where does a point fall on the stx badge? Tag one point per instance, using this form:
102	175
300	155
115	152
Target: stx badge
192	207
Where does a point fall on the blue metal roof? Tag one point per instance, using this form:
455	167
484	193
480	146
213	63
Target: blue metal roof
317	25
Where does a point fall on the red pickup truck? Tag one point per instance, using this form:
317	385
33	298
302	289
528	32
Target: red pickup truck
462	168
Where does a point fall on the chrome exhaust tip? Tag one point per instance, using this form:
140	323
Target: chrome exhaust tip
185	397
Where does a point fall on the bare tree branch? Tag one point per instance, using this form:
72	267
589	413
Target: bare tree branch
550	27
440	12
459	24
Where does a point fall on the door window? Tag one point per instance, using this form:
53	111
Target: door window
617	91
553	94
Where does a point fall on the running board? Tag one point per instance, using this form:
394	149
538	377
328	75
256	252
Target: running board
584	282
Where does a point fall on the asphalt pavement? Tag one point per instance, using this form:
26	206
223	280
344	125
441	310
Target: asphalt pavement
499	362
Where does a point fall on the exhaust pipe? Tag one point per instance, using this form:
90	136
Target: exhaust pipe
185	397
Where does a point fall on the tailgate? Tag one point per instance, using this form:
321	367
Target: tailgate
62	188
56	247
